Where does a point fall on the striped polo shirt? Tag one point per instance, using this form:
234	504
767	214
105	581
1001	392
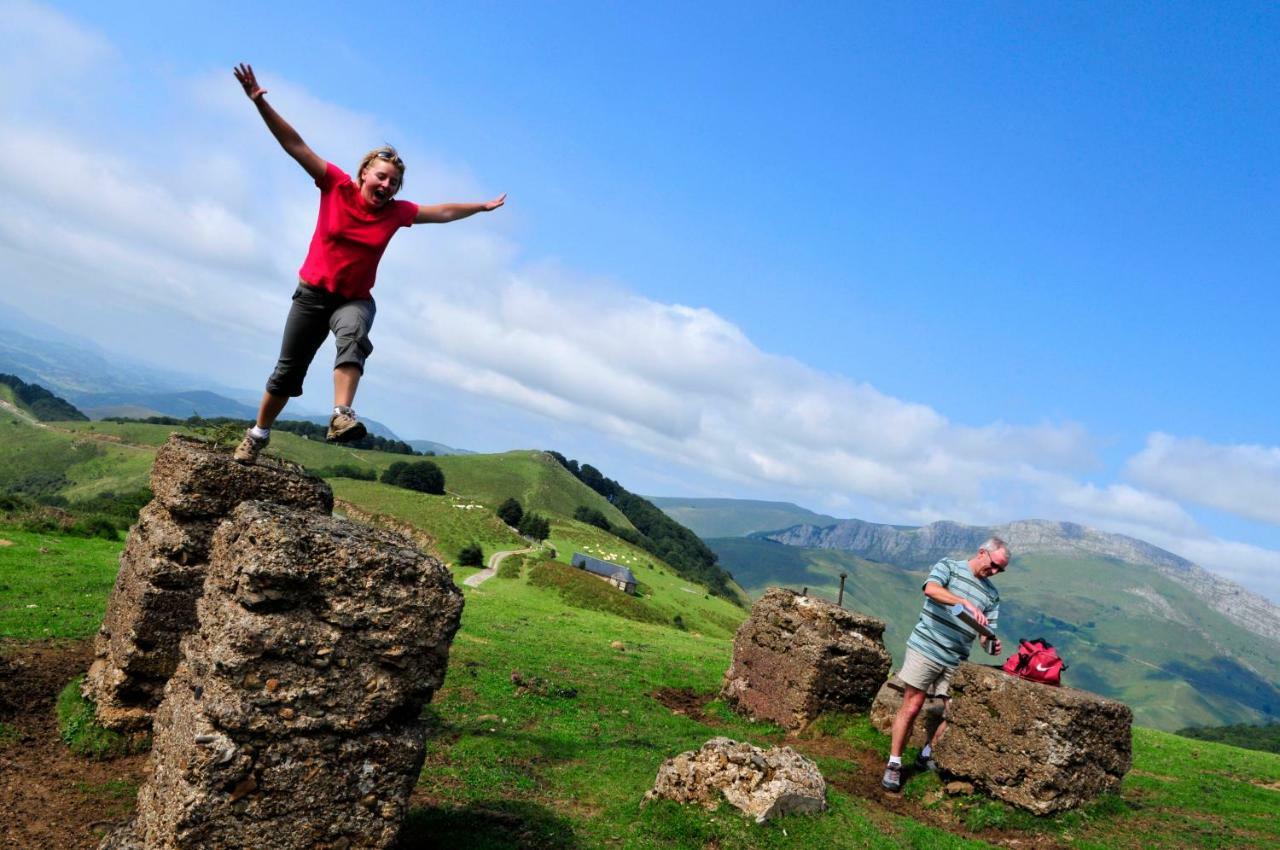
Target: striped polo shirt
939	635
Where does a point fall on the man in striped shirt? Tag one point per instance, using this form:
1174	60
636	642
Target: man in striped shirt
940	641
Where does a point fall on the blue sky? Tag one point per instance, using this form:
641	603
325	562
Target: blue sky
902	262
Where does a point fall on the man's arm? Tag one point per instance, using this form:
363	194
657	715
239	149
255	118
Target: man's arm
942	596
285	134
445	213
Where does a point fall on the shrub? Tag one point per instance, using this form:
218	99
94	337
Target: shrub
510	512
535	526
347	470
591	516
471	555
422	476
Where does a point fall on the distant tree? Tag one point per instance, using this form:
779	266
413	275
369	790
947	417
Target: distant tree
510	512
591	516
535	526
471	555
423	476
391	475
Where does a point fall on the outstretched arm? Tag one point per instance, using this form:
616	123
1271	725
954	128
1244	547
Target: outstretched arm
445	213
285	134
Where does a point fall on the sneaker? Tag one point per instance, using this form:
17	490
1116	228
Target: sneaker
926	763
250	447
344	427
892	780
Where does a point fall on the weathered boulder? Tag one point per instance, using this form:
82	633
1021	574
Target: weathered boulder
293	719
797	656
886	706
763	783
163	566
1037	747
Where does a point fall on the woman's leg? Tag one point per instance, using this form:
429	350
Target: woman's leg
270	408
310	315
345	380
350	324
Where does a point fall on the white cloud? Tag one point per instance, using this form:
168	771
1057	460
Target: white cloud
1239	479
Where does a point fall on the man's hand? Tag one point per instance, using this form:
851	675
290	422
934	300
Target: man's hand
973	610
496	202
244	75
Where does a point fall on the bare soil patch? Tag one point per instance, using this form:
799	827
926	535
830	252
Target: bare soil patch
49	797
687	702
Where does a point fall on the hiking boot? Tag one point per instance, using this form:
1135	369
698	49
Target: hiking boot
344	427
250	447
892	780
926	763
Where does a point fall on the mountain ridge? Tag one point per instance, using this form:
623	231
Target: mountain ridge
924	545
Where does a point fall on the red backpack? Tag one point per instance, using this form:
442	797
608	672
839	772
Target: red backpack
1037	661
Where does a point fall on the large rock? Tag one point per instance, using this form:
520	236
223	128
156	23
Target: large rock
797	656
293	720
1037	747
763	783
163	566
886	706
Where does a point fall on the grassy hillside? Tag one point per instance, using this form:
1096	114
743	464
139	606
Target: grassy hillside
736	517
532	477
564	761
1147	641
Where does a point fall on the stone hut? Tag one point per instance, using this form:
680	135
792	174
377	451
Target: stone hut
1038	747
796	657
162	569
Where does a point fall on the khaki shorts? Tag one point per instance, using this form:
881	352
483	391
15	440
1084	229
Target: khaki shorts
921	672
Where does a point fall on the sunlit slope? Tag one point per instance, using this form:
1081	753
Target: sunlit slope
532	477
55	459
1125	630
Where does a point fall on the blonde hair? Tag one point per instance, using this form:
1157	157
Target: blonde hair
387	153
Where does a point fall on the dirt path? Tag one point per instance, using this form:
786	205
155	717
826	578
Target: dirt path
50	798
476	579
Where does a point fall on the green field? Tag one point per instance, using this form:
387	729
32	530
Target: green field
53	585
566	766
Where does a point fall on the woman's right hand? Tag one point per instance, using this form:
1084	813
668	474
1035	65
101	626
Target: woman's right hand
244	75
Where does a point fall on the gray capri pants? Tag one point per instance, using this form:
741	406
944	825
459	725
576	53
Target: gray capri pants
313	314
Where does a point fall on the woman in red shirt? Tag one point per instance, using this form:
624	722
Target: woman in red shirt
357	219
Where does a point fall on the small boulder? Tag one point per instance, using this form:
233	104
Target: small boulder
1038	747
762	783
797	656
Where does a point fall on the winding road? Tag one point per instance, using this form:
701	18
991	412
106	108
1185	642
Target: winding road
495	559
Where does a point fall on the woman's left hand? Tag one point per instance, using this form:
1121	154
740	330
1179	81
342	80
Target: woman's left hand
496	202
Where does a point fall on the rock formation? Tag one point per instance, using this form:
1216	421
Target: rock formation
763	783
293	719
163	566
886	706
797	656
1037	747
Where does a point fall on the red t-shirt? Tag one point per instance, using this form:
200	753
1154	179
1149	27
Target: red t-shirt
350	236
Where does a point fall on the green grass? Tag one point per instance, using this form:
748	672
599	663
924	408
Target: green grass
513	768
80	731
53	585
8	736
449	522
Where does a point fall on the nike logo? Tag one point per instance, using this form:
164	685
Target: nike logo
1043	667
